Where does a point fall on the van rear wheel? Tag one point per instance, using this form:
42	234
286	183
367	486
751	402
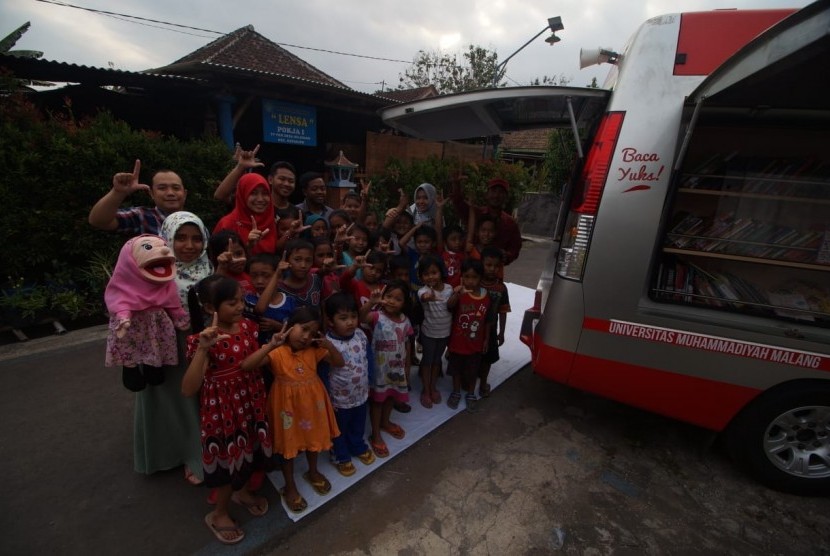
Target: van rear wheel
783	438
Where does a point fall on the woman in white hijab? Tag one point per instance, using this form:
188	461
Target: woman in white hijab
166	429
423	209
186	235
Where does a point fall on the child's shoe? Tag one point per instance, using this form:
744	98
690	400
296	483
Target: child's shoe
472	403
346	468
367	457
454	400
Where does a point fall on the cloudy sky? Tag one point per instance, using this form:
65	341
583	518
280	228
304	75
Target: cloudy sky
394	29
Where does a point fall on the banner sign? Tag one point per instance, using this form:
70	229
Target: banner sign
290	124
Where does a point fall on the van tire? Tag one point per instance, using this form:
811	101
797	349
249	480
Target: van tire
791	423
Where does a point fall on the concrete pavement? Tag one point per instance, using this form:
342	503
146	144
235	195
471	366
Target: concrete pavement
540	469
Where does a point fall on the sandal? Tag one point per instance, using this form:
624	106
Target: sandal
394	430
346	468
217	531
191	478
454	400
256	480
296	505
426	400
367	457
484	390
472	403
321	486
379	448
257	509
402	407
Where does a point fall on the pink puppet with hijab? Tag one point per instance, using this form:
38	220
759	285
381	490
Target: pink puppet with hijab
145	310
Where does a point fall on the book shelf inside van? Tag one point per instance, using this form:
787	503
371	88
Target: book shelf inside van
748	225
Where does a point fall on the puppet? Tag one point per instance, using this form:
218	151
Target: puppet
145	310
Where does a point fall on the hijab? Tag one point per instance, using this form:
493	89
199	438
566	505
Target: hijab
428	216
187	274
239	219
129	291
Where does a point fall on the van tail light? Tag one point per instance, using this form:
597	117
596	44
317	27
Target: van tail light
580	223
530	319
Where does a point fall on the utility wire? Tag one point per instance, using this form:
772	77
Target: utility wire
170	24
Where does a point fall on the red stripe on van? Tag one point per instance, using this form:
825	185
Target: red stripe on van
707	39
706	403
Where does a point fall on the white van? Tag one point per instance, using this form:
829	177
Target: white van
690	273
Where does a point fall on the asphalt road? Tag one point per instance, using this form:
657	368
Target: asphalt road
539	469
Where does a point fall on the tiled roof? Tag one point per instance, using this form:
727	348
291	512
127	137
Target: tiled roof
247	49
409	95
535	140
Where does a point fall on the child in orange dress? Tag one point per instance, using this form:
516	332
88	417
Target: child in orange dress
298	404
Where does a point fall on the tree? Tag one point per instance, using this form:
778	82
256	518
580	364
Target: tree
448	74
556	80
6	44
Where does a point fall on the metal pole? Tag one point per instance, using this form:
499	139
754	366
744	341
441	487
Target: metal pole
501	65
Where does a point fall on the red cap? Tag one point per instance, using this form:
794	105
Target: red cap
498	182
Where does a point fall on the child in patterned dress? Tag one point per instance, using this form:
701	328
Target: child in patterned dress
234	427
391	331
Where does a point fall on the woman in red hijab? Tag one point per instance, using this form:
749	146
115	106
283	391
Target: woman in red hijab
252	216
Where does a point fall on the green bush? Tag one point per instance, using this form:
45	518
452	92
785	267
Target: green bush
53	168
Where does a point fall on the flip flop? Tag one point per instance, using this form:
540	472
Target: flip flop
346	468
256	509
218	530
379	448
321	487
191	478
298	505
367	457
394	430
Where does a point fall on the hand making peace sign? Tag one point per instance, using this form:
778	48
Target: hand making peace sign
210	335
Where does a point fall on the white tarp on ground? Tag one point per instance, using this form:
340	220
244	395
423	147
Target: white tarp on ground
420	421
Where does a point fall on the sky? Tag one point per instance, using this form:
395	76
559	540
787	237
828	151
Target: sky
393	29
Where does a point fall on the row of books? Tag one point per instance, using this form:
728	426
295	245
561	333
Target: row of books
788	177
724	233
689	283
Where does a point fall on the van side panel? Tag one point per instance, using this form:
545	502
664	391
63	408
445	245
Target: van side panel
706	403
707	39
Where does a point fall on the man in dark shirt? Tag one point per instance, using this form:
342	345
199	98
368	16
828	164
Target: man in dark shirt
508	237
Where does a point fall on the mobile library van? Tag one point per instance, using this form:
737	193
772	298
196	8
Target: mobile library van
690	268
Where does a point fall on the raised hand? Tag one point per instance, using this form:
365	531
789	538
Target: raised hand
440	201
126	183
429	295
342	234
210	335
283	265
256	234
376	297
364	188
246	159
384	246
280	337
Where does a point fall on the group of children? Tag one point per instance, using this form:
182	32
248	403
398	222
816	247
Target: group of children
277	377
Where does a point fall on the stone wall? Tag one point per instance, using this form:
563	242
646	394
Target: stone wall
536	214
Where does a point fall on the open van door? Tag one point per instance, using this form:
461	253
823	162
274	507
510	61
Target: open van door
777	76
491	112
495	111
760	123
